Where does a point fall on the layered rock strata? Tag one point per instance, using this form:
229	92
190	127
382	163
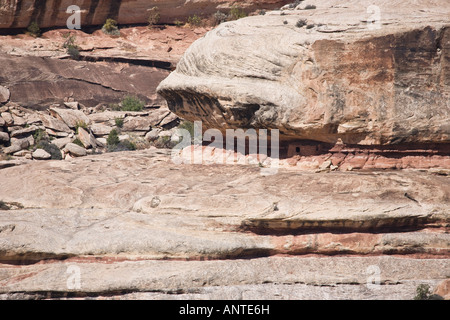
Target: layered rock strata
53	13
132	212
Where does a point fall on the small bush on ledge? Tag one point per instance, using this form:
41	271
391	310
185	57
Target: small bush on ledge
115	145
80	124
195	21
118	122
189	126
40	135
153	17
236	13
110	28
178	23
164	142
71	47
219	17
34	30
423	293
113	138
132	103
125	145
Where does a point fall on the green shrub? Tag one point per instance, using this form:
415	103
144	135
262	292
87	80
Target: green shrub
153	17
422	292
113	138
129	145
178	23
40	135
115	145
132	103
236	13
114	106
80	124
195	20
110	28
71	47
73	52
3	205
125	145
219	17
165	142
34	30
119	122
78	142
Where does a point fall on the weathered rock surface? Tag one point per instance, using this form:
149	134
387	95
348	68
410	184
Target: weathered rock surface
75	149
240	279
16	14
62	142
49	80
4	136
87	139
17	145
4	94
71	118
122	214
108	69
24	131
41	154
7	118
53	123
443	289
335	77
100	129
336	158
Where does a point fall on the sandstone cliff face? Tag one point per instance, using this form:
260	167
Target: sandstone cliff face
51	13
137	225
40	81
333	76
37	72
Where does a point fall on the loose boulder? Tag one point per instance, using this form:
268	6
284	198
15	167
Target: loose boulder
41	154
